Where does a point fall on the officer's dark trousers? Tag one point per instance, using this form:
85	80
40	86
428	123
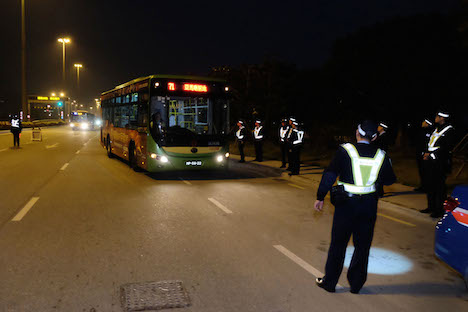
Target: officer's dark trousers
16	138
355	217
284	153
258	150
240	144
295	161
420	168
435	176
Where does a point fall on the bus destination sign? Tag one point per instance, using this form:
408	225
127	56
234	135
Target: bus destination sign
192	87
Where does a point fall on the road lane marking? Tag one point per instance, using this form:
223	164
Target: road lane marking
25	209
396	220
3	149
77	152
294	185
185	181
301	262
219	205
64	167
52	146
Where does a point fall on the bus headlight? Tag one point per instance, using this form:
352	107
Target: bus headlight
72	125
164	159
219	158
98	122
226	155
154	156
84	126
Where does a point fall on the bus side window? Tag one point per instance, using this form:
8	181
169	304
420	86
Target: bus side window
117	116
142	115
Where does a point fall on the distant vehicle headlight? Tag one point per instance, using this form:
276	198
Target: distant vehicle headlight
98	122
84	126
220	158
72	125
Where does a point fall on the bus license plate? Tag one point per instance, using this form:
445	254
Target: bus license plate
193	163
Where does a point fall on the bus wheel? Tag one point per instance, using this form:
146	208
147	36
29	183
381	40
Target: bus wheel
109	148
132	158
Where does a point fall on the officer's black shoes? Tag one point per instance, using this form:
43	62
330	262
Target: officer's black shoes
283	166
354	291
437	215
320	283
242	161
427	210
420	190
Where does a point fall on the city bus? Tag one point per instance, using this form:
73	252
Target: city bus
83	120
167	122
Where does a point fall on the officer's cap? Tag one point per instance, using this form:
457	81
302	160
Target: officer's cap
295	123
368	129
292	118
240	121
443	113
258	121
284	120
428	121
383	125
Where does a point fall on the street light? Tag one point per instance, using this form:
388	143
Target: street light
62	94
78	67
64	41
52	94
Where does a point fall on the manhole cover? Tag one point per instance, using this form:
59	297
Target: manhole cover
153	296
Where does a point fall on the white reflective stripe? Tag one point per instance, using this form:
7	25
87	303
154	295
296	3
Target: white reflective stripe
256	132
443	115
378	161
433	149
238	135
435	137
300	135
433	156
283	132
15	123
354	189
361	132
356	169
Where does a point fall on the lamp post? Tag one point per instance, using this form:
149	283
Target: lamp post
24	104
64	41
78	67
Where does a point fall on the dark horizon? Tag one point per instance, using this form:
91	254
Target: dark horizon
114	43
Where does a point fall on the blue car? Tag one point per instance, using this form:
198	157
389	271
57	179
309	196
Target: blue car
451	235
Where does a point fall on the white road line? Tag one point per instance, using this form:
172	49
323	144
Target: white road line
52	146
185	181
25	209
64	167
219	205
396	219
296	186
77	152
3	149
301	262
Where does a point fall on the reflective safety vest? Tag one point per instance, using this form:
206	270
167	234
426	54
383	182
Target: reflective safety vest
15	123
257	135
283	133
431	146
365	170
238	133
300	136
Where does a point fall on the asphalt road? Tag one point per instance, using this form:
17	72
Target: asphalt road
243	240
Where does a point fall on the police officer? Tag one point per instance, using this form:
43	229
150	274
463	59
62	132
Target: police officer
16	128
295	144
359	167
288	141
437	163
283	131
258	140
382	139
422	139
240	136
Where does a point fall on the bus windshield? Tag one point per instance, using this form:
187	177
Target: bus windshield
185	121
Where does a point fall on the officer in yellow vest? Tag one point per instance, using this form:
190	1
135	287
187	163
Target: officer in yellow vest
360	168
437	163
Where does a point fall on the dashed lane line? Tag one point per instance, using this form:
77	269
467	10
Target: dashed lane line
64	166
185	181
396	220
52	146
301	262
25	209
3	149
219	205
297	186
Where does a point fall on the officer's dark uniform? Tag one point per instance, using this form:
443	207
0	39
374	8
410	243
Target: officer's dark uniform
16	128
437	166
288	142
283	131
240	136
295	142
258	141
422	139
355	216
383	141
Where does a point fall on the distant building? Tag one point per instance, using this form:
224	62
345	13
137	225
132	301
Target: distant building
47	107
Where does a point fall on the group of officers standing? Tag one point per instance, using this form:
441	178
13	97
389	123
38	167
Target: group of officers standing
290	140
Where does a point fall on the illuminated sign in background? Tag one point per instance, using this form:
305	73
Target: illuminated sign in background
47	98
192	87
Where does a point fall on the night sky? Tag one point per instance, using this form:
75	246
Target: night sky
119	40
